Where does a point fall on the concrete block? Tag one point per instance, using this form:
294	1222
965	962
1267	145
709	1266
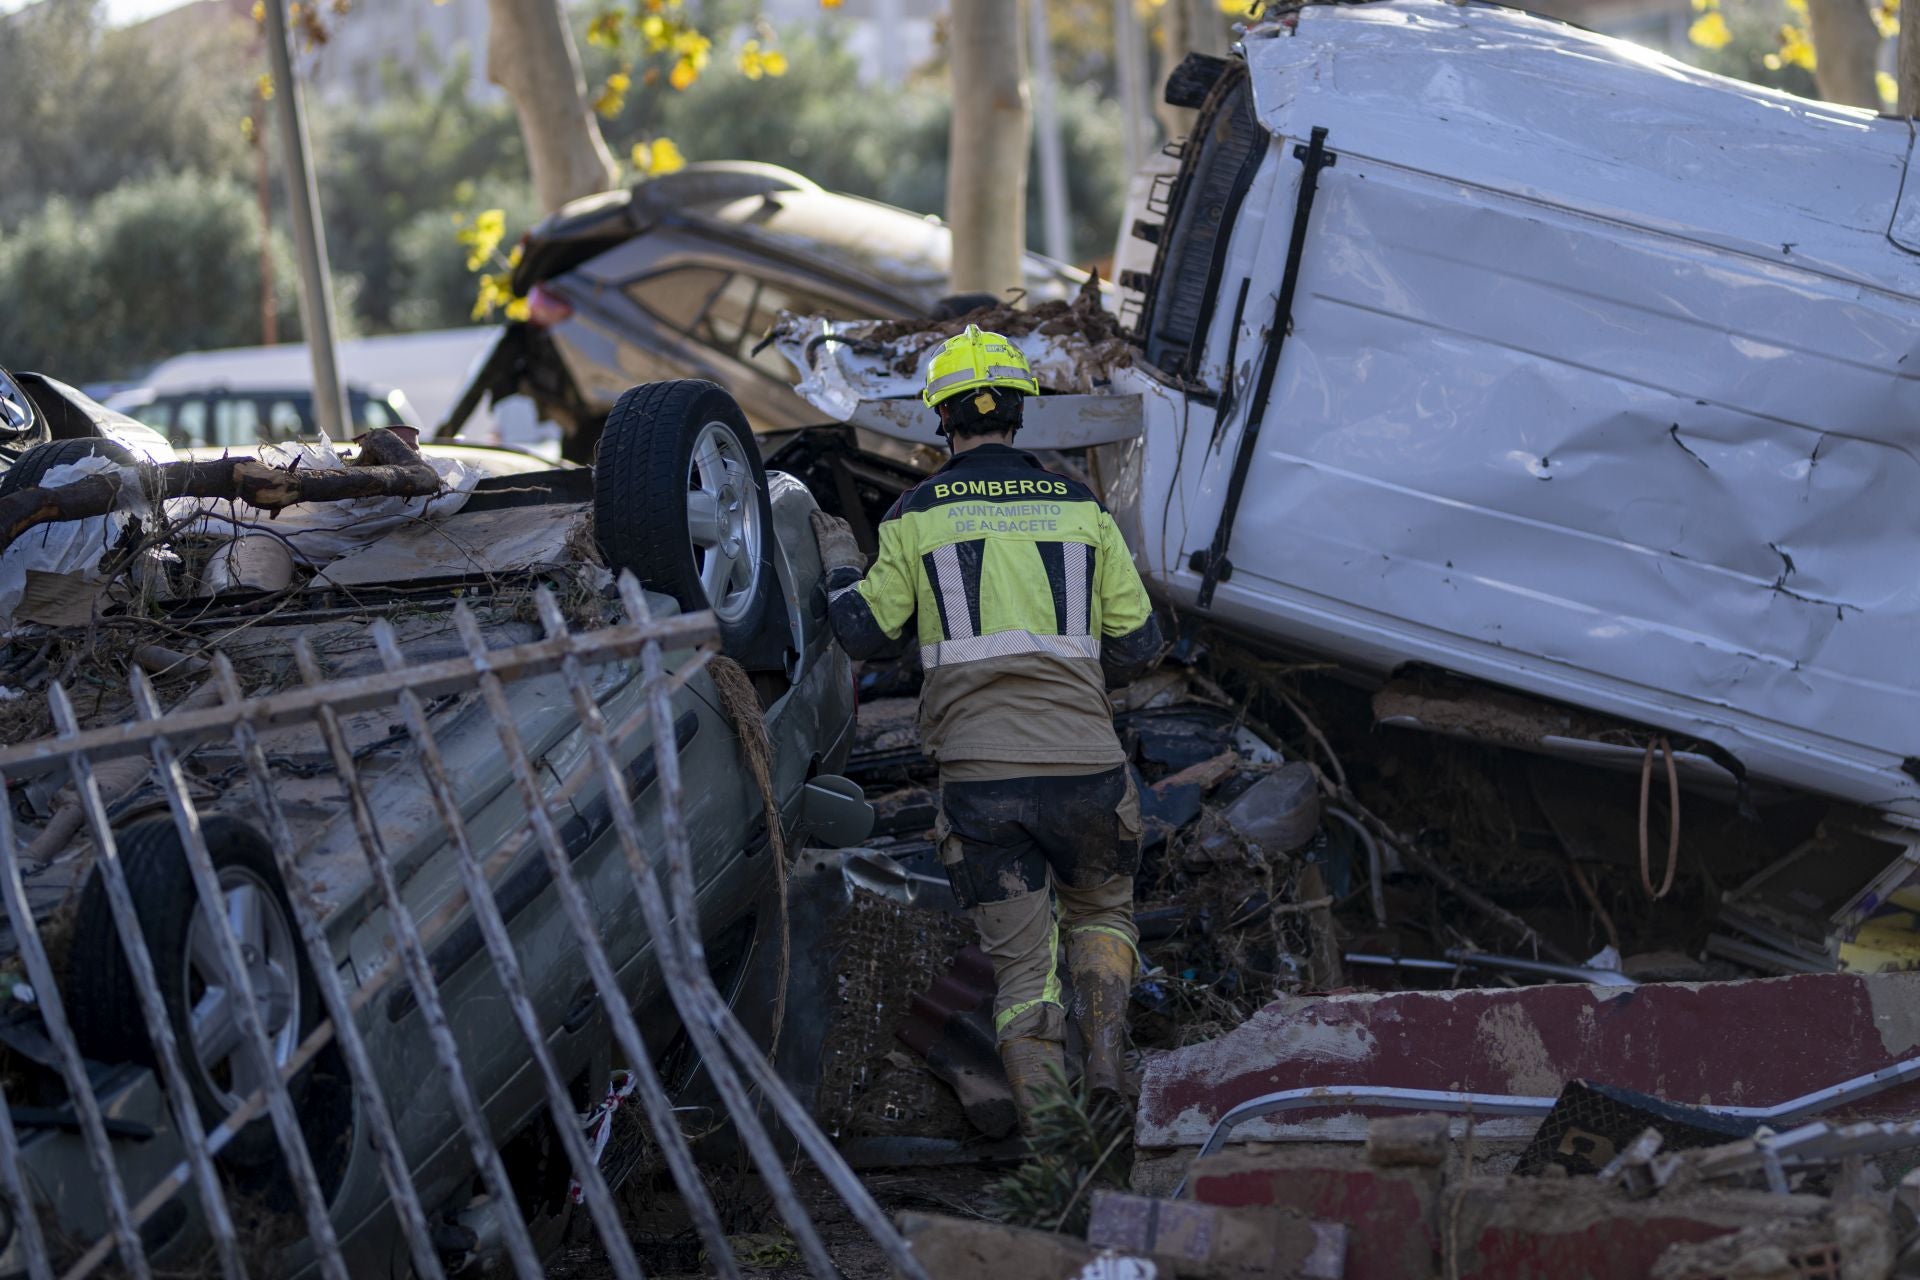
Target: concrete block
1202	1240
1532	1041
965	1249
1415	1140
1536	1229
1391	1214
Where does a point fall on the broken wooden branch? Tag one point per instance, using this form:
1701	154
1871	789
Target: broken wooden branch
385	467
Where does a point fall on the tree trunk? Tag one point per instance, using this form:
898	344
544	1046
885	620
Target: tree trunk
1845	42
987	152
530	54
1907	73
386	466
1186	26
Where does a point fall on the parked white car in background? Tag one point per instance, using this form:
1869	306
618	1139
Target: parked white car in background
403	379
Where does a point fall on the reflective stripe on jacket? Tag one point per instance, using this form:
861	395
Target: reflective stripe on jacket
1025	598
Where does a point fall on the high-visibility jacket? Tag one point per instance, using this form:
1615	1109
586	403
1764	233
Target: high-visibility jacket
1021	587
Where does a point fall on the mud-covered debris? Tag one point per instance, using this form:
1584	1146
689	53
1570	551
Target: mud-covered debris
1213	1242
1085	317
1408	1140
1281	812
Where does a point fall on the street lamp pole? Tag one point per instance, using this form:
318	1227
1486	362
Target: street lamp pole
309	237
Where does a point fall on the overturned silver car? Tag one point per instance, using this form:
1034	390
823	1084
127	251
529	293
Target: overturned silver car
351	893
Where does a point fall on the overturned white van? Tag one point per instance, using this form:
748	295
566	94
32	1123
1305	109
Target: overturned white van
1479	343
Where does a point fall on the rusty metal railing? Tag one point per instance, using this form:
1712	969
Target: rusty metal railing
658	872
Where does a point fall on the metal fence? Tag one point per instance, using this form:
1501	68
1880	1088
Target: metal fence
661	878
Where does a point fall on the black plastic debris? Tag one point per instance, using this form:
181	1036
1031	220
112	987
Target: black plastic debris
1592	1123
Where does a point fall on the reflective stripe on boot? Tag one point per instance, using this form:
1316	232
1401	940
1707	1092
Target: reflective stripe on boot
1033	1066
1102	964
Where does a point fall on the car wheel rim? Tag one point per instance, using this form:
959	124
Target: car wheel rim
723	519
227	1064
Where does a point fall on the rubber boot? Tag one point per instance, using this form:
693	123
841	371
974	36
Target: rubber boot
1033	1066
1102	968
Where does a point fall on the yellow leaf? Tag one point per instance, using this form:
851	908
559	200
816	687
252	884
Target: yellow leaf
483	236
604	31
684	73
613	95
1889	90
756	62
1710	31
691	44
1796	48
655	31
661	156
666	158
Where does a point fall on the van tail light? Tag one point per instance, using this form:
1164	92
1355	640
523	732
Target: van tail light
546	308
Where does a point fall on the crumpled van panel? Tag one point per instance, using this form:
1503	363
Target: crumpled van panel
1662	475
1549	112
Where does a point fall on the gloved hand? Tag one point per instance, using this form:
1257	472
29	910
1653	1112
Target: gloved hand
838	550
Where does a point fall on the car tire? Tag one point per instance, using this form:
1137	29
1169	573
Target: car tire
42	458
664	443
104	1005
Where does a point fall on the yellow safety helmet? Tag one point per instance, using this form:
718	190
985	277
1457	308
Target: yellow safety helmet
977	359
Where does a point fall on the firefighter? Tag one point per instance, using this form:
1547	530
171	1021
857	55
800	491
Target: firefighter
1028	609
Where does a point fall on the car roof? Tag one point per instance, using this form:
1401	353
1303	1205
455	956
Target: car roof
243	386
780	213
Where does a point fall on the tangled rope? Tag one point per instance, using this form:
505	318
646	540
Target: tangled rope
742	706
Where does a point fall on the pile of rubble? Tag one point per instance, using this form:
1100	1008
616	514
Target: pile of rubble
1346	924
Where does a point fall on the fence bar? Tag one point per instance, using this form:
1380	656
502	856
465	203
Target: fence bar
206	883
626	1031
679	865
506	966
688	981
368	990
670	910
177	1085
486	1156
373	1103
358	693
73	1065
26	1217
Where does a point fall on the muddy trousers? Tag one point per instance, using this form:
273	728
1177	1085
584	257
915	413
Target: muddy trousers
1004	843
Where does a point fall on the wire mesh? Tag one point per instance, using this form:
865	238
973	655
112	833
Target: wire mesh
226	992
